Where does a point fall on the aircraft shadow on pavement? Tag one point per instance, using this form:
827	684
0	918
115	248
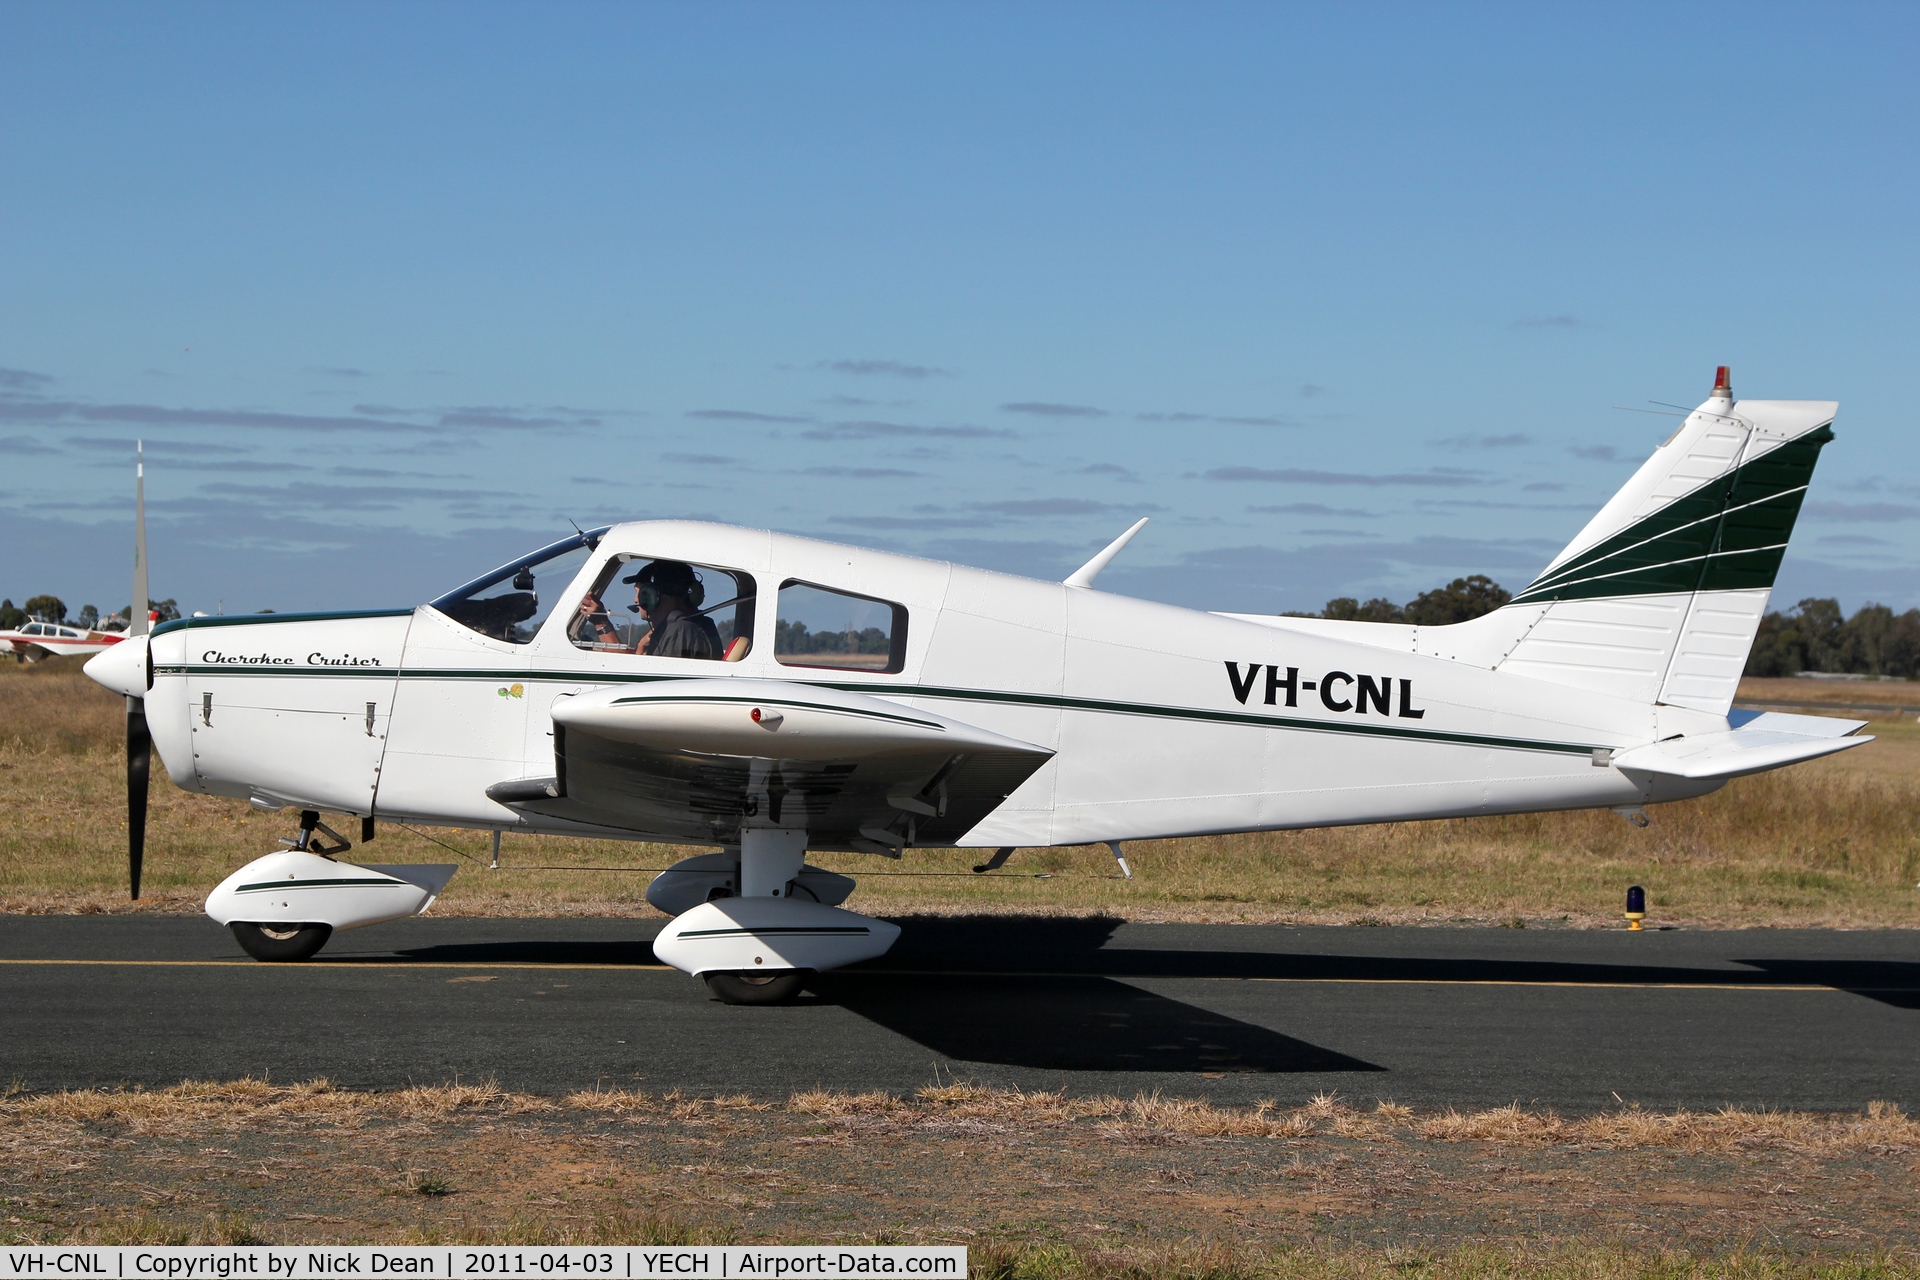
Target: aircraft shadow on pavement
1893	982
1012	945
1069	1024
633	951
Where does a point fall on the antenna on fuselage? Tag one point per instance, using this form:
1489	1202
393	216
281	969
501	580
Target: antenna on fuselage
1086	573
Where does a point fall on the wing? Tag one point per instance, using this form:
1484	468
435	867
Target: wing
692	759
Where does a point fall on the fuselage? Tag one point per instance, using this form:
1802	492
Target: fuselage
1164	721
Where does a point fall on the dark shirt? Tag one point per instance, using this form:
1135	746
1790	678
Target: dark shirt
685	635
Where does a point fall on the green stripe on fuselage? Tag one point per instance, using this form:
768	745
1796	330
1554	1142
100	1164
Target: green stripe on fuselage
1049	701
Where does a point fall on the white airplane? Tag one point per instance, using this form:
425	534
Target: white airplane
37	640
786	694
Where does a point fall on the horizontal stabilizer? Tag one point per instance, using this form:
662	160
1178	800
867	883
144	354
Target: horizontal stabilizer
1763	741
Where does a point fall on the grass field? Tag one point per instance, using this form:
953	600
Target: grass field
1054	1187
1832	843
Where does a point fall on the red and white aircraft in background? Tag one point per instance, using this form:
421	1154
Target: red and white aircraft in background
39	640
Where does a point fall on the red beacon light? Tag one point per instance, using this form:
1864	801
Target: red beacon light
1723	383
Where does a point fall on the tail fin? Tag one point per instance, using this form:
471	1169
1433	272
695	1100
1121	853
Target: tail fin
1659	597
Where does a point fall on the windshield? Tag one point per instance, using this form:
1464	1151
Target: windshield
511	602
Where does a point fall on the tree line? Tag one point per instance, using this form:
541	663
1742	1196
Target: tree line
1461	600
54	609
793	637
1814	635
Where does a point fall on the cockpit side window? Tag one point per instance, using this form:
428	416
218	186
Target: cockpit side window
511	602
659	608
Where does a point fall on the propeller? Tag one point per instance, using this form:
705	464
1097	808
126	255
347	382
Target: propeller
139	740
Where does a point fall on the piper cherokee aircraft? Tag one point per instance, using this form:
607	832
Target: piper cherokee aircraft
776	694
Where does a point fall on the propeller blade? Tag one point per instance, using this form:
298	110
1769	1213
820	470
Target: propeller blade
139	766
139	740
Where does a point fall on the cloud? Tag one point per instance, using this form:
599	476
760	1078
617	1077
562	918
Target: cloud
1549	322
1484	504
1045	410
243	466
1860	512
51	412
338	372
740	415
862	473
905	522
1852	540
125	444
1059	507
384	473
874	430
1596	452
1340	533
22	380
612	484
886	368
701	459
1309	390
343	497
20	445
1294	475
488	416
1482	442
1214	417
1113	469
1311	509
1542	486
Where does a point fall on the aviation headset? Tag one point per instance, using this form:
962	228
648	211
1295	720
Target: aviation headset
666	578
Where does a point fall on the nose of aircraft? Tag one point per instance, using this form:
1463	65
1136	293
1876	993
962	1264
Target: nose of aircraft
122	668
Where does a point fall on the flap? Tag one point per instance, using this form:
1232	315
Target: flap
695	760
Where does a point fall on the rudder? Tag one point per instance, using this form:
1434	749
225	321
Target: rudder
1659	597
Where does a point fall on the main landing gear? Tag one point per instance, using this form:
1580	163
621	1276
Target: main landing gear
755	922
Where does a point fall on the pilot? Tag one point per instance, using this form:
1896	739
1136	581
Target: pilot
668	595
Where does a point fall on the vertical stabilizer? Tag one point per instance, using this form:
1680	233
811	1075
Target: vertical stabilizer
1659	597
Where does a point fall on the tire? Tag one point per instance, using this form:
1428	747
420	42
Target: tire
282	944
757	988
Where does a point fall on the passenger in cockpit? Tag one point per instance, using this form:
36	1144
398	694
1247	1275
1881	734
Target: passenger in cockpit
668	594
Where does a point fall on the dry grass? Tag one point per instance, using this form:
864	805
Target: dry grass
1227	1260
1040	1185
1832	843
200	1106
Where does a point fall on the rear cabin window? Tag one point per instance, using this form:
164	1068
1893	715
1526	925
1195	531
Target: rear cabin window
838	630
658	608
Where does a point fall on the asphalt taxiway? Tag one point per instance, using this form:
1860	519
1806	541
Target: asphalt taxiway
1577	1020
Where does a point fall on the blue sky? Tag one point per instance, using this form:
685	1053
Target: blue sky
1342	296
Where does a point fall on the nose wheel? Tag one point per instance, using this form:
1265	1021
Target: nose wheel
757	988
285	943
